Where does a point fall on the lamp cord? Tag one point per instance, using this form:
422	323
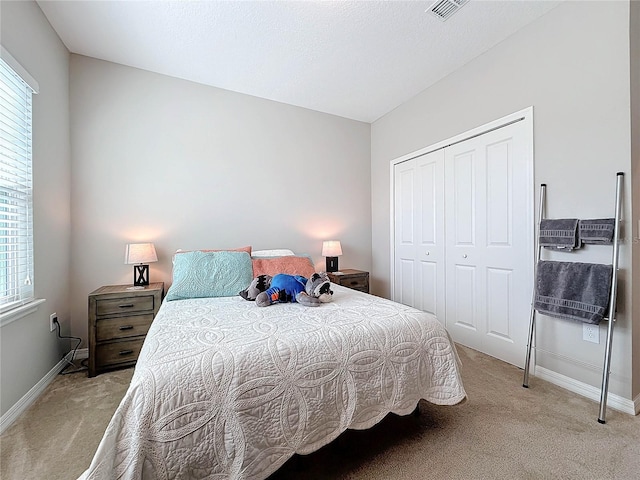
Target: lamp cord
73	355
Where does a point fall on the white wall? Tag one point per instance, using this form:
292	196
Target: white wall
189	166
572	65
28	349
634	41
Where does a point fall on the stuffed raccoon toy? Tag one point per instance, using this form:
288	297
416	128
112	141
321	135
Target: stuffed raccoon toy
282	288
258	285
319	286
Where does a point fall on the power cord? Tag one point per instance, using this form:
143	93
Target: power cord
73	355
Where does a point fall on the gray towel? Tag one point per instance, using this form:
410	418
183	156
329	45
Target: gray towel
560	234
598	231
578	291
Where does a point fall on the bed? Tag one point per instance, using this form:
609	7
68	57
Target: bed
224	389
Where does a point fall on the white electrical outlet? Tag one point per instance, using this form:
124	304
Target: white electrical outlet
52	325
590	333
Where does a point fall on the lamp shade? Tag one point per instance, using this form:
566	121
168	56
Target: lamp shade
140	253
331	248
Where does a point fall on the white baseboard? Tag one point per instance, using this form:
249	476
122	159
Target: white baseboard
32	395
614	401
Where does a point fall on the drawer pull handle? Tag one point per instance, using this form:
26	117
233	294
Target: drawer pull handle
126	327
126	305
126	352
355	282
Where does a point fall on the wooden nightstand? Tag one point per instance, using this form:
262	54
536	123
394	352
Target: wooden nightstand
355	279
118	323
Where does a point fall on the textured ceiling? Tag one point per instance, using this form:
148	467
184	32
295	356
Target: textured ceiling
355	59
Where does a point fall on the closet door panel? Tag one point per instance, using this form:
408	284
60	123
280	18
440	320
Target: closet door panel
429	280
509	252
419	233
499	286
464	202
406	292
464	286
404	233
500	252
492	171
404	205
431	248
464	283
499	195
462	310
429	203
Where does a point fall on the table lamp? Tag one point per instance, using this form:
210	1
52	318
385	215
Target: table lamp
332	250
139	255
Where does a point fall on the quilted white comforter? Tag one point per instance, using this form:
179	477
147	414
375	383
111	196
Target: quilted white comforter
224	389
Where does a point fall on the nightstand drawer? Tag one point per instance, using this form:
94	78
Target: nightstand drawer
118	352
357	283
124	305
123	327
351	278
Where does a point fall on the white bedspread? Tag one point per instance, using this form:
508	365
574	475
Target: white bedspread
224	389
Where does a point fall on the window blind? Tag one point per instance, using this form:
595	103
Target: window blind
16	210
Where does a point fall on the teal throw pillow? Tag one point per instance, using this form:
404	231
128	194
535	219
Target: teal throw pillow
209	274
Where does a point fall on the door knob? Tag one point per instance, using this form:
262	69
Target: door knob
427	253
464	255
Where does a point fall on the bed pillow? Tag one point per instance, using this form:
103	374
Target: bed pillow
291	264
276	252
201	274
239	249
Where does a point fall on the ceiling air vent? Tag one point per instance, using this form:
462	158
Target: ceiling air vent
444	9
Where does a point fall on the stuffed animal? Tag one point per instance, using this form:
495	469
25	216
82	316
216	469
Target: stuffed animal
284	288
319	286
296	288
258	285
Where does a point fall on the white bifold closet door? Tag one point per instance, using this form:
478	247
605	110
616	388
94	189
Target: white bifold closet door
462	236
488	243
419	234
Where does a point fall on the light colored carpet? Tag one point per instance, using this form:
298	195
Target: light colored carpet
55	439
503	431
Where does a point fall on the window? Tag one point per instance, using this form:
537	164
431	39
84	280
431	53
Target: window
16	212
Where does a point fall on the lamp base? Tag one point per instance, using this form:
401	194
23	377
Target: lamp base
332	264
140	275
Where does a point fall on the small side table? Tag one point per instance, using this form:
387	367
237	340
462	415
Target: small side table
348	277
119	320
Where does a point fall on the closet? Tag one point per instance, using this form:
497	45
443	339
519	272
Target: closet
462	216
